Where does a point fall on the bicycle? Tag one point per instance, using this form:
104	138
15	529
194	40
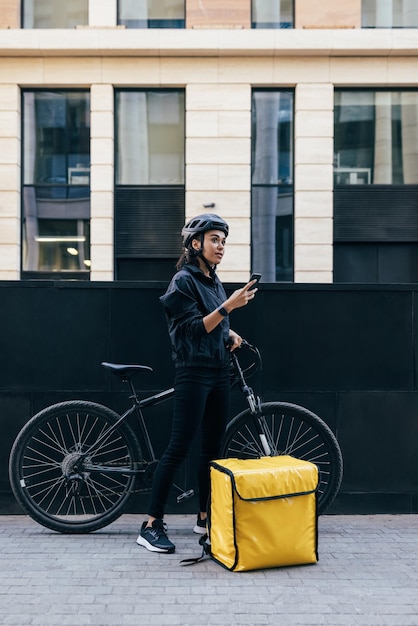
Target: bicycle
75	465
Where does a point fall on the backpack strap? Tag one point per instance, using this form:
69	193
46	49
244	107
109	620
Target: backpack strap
205	543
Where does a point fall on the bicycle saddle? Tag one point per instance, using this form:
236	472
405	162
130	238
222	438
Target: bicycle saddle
126	371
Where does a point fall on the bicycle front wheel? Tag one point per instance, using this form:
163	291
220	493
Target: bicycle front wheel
62	485
290	430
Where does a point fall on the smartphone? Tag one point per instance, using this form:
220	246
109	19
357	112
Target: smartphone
255	277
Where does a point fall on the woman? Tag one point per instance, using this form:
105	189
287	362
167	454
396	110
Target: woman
197	311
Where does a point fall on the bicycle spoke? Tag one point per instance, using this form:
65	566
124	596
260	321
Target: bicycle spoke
245	442
58	479
288	430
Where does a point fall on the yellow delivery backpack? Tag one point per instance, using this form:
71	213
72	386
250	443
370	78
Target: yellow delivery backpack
263	512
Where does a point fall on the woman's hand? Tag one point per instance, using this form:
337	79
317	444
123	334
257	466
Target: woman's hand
240	297
235	340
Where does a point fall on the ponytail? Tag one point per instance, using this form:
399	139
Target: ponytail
188	257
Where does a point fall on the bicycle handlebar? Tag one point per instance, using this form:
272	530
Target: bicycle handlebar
239	372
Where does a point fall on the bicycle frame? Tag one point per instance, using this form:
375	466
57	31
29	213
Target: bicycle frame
136	407
254	404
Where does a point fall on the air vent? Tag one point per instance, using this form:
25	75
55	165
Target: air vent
385	213
148	221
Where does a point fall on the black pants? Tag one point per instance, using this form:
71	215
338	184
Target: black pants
201	399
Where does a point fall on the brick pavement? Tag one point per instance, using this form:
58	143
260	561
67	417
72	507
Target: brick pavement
367	574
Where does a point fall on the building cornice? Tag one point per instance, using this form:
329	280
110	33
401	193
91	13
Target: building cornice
93	42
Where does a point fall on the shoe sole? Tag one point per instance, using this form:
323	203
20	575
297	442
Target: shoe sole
143	542
199	530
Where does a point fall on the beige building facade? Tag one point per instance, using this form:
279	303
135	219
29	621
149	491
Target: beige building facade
218	59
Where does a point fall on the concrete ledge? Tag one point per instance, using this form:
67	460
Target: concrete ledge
207	42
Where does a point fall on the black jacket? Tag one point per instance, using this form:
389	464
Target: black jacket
189	298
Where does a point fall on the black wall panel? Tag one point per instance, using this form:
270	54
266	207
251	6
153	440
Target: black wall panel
138	333
382	429
52	335
14	411
346	352
376	262
337	339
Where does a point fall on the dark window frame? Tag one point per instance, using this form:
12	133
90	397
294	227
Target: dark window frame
65	187
280	187
372	90
163	261
375	236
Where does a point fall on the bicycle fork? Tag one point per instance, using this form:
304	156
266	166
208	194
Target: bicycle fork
259	422
254	403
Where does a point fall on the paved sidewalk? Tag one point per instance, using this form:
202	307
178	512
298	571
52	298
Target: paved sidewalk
367	574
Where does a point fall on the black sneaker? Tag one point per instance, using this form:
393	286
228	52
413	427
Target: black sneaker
200	527
154	538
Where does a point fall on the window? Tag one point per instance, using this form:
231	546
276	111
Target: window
56	184
376	137
151	13
376	186
272	14
389	14
272	184
54	13
149	193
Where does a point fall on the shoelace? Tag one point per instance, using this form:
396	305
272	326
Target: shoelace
159	529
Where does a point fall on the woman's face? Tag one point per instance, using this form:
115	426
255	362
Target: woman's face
213	246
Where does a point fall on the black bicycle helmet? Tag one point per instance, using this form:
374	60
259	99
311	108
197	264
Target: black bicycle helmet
201	224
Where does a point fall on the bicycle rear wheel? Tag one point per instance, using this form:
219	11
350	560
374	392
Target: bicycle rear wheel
294	431
59	486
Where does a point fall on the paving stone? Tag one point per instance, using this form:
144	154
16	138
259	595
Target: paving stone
367	575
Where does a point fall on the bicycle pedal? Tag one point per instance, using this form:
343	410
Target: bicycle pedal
185	495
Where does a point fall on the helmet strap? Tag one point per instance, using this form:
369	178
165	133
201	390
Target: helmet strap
210	267
199	253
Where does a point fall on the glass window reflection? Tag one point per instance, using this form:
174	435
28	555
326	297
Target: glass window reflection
272	184
272	13
389	14
56	177
376	137
150	137
151	13
54	13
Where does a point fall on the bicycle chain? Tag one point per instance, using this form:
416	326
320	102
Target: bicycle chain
151	467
